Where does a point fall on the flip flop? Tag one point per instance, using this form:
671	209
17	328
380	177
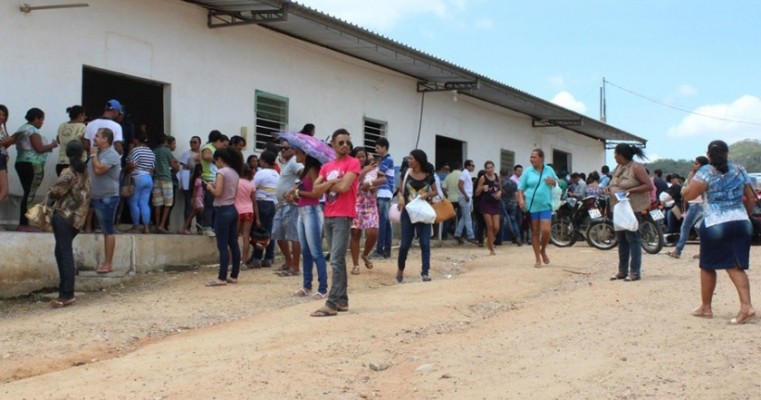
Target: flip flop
232	280
355	270
216	283
741	318
699	312
368	263
673	254
60	303
103	270
324	312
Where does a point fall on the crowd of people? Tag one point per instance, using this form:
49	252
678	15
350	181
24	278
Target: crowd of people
286	197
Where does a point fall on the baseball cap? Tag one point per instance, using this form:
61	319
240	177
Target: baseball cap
114	105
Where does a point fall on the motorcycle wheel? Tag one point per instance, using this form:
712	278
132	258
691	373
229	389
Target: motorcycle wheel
601	235
652	237
562	232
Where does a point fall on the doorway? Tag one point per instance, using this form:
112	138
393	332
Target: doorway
448	151
561	162
142	99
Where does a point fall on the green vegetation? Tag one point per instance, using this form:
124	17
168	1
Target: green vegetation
746	153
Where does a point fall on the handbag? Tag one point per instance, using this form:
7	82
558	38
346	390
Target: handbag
41	215
444	210
128	186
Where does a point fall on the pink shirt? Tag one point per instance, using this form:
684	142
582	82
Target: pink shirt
344	204
199	190
243	202
307	185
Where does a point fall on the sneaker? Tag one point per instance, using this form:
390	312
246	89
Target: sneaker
376	256
426	278
319	296
459	239
209	232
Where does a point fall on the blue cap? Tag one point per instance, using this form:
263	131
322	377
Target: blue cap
114	105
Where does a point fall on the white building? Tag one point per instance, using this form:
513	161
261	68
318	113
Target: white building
253	67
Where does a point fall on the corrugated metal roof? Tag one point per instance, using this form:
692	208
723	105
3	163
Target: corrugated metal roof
304	23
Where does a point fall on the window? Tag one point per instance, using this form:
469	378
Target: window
506	160
373	131
271	117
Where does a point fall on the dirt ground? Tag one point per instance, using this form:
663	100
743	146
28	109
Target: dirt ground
486	327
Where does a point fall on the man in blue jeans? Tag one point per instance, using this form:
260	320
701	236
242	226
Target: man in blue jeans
384	195
465	186
104	169
338	180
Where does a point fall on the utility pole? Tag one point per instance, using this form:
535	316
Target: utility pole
603	111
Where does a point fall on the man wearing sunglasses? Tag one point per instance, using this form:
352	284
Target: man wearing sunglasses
338	179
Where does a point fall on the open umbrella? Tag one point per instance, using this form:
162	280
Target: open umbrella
310	145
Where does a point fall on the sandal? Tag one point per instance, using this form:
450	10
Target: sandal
302	292
216	282
368	263
232	280
61	302
673	254
355	270
104	270
324	312
342	308
741	318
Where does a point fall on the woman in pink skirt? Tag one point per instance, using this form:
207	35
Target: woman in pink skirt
367	209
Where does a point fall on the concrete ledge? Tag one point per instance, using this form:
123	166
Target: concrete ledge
28	259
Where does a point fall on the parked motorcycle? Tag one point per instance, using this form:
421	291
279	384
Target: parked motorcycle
571	221
602	235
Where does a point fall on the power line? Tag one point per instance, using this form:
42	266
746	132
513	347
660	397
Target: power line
739	121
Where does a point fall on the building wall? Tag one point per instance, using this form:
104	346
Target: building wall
212	75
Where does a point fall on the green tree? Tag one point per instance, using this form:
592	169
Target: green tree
746	153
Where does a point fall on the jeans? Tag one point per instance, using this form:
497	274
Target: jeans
266	216
208	207
694	216
30	175
105	212
465	225
337	231
139	208
510	224
424	237
64	234
384	228
226	228
629	247
310	238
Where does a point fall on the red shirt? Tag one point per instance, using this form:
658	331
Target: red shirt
344	204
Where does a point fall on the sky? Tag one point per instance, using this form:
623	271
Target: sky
679	73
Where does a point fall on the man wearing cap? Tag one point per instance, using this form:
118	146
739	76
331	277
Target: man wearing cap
107	120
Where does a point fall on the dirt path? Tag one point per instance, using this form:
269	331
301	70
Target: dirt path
486	327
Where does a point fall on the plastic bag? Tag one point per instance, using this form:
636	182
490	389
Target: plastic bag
420	211
557	193
623	217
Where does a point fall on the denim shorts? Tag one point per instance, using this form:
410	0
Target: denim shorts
545	215
105	211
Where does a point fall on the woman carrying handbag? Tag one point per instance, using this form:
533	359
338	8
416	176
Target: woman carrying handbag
419	183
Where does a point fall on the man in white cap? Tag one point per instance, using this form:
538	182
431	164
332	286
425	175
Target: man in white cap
107	120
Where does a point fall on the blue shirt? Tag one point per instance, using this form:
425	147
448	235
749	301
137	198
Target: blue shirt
724	194
531	183
386	168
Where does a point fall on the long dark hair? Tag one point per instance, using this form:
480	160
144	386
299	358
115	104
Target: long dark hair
309	164
74	151
422	159
231	157
197	172
356	151
718	152
628	151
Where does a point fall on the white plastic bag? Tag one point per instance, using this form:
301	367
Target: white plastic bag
394	214
623	217
420	211
557	193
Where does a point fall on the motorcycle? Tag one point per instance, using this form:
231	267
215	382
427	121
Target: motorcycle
571	221
602	235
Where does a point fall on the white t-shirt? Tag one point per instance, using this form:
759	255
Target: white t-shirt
467	182
265	182
96	124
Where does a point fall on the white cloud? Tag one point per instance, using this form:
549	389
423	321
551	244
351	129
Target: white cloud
384	15
566	99
687	90
724	121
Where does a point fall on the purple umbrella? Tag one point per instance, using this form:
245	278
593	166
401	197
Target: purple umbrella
310	145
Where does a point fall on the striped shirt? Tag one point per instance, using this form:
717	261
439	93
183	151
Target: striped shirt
143	159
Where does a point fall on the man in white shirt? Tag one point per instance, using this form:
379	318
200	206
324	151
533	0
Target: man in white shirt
107	120
465	188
